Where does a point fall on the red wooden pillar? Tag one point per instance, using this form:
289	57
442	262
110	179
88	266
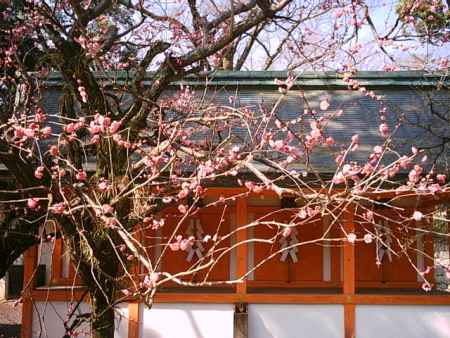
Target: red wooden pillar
133	306
241	251
349	275
133	320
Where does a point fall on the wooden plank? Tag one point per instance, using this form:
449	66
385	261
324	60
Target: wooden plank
63	295
294	284
423	299
133	320
29	274
211	298
242	250
256	298
349	320
266	298
390	285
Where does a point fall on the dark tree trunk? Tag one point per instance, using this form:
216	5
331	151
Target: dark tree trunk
102	324
12	248
99	273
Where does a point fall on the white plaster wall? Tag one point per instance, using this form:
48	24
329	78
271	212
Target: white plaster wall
48	320
187	321
402	321
295	321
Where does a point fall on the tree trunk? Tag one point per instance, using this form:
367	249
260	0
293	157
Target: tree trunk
102	324
99	273
102	292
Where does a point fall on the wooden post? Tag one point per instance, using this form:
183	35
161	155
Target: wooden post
240	321
133	320
29	274
241	252
349	320
349	275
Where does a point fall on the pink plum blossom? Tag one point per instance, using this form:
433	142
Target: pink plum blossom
81	175
33	203
103	185
58	208
384	129
324	105
39	172
351	237
417	215
368	238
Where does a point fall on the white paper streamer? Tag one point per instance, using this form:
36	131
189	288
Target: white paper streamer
287	242
195	229
384	232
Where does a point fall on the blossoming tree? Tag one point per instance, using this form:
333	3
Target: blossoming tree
154	151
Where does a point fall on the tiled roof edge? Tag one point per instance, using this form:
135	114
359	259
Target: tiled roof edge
306	79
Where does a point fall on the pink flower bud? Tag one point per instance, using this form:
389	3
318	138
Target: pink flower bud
185	244
103	186
426	287
351	237
287	232
81	175
384	129
182	208
339	178
324	105
167	199
115	126
183	193
417	215
54	150
107	209
368	238
302	214
46	132
126	292
377	150
369	216
154	277
33	203
58	208
39	173
70	128
174	246
441	178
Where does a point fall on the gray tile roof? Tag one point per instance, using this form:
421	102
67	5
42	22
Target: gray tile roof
404	94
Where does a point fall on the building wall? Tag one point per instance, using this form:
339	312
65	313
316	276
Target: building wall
187	321
48	319
398	321
190	320
295	321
